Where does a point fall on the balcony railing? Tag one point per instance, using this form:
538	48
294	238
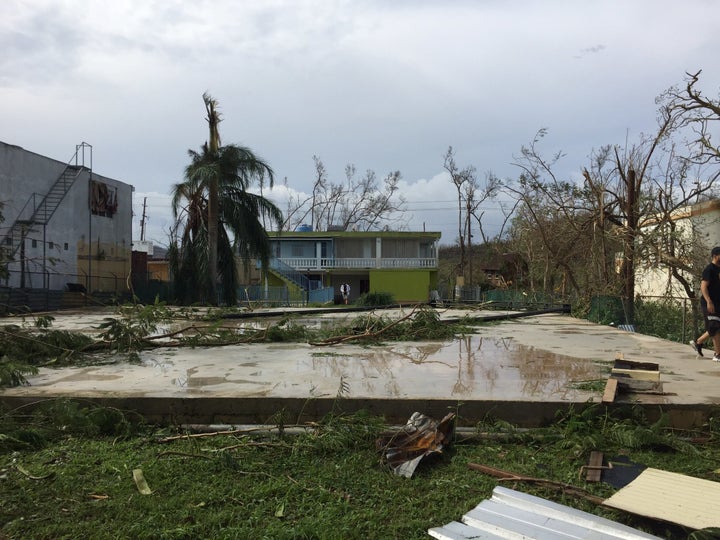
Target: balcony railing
306	263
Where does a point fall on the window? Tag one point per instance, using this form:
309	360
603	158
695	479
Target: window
103	199
66	246
51	245
34	243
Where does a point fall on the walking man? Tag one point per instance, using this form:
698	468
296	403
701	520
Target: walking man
345	292
710	301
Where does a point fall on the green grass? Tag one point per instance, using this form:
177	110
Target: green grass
74	482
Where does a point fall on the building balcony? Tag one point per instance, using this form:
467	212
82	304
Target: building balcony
312	263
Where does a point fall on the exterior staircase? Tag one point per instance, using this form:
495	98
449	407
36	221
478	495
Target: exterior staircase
300	283
40	208
288	274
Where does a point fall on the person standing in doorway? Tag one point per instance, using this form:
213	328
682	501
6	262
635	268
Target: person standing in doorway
345	292
710	301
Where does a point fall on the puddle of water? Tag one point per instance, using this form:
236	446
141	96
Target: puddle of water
198	382
471	367
91	374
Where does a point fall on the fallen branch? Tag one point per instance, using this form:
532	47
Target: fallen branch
365	335
505	476
182	454
253	443
21	469
185	436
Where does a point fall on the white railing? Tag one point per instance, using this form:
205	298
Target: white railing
368	262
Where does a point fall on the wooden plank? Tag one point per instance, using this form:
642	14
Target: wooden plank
594	467
630	364
627	384
639	374
686	500
610	390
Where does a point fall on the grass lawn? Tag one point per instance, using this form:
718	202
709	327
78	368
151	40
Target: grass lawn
67	472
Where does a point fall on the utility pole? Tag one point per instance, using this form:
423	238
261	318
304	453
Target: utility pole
468	227
142	221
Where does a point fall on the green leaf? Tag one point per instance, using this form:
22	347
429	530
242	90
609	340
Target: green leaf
140	482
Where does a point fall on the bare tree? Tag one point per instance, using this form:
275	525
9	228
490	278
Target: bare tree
554	222
481	195
460	177
697	113
357	203
629	201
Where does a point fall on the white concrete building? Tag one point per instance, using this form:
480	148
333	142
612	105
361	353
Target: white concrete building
64	223
697	228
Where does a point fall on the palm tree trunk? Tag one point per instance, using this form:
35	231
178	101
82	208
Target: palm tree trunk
213	120
212	241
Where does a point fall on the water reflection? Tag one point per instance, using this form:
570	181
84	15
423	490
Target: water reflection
469	367
472	367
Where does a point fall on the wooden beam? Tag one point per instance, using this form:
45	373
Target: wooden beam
594	466
610	391
638	374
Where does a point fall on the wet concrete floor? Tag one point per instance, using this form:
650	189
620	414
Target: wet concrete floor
521	370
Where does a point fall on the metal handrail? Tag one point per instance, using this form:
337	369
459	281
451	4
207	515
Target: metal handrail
63	181
290	273
363	262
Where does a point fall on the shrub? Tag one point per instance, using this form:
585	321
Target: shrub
375	299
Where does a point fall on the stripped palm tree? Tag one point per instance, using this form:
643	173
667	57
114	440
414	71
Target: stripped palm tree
220	217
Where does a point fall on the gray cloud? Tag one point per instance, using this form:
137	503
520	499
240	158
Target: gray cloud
383	85
590	50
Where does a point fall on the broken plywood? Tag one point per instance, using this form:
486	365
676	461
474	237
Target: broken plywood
635	377
645	371
685	500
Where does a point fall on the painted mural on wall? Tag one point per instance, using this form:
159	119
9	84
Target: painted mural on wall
103	199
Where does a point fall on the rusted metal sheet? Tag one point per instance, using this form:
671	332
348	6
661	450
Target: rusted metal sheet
420	437
513	514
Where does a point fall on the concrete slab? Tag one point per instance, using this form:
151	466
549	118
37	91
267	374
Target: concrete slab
522	370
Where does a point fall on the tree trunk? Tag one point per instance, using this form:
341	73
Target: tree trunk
213	120
629	256
212	240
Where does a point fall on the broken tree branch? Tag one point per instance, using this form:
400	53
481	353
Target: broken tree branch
505	476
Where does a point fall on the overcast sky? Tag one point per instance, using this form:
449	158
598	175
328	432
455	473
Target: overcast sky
384	85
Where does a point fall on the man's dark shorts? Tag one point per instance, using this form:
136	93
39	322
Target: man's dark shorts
712	322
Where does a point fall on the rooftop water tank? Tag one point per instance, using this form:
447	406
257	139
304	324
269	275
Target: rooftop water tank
304	228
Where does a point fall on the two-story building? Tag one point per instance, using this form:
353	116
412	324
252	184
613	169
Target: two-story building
404	264
64	224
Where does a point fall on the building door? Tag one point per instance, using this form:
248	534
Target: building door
364	286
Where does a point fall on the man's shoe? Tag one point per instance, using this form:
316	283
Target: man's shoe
696	347
716	357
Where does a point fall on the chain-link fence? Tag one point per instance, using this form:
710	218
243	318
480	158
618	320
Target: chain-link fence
26	291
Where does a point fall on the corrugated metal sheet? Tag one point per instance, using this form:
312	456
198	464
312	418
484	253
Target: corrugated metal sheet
692	502
516	515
